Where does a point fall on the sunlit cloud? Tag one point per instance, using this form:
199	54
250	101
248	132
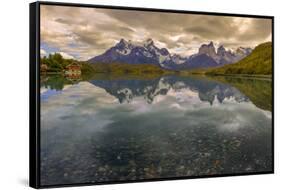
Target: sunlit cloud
65	55
42	53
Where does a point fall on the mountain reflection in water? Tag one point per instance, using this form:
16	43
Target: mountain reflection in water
112	129
126	90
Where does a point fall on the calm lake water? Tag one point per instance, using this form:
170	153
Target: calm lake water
114	129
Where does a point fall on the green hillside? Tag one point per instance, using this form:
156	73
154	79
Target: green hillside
125	68
259	62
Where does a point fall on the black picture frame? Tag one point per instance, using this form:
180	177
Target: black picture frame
34	93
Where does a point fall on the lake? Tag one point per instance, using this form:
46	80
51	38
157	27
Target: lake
110	128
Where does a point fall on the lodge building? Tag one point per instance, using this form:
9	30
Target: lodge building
73	69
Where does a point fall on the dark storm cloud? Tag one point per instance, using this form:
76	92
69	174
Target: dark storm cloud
202	27
95	30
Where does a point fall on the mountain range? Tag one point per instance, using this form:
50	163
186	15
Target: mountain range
148	53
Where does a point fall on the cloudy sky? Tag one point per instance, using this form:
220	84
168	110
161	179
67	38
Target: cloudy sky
83	33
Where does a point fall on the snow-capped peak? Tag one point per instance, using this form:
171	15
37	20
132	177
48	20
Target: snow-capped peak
124	47
178	59
243	50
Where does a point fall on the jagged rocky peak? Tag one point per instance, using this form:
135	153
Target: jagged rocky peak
211	44
208	49
221	50
242	50
177	56
122	43
148	42
164	51
125	46
178	59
